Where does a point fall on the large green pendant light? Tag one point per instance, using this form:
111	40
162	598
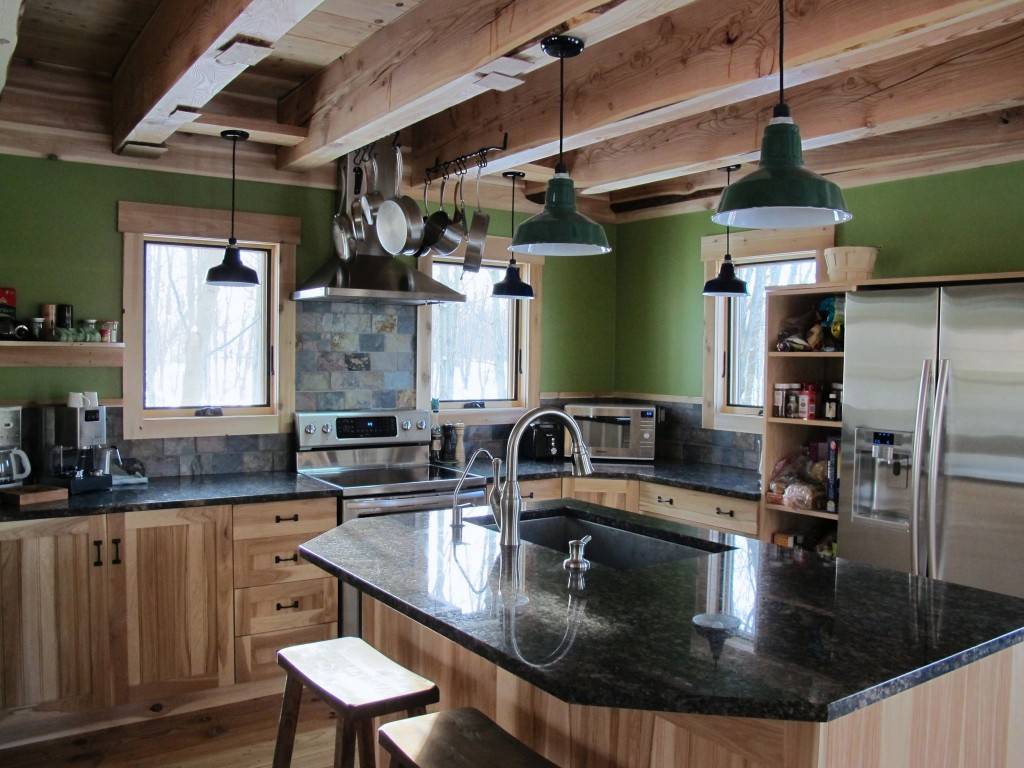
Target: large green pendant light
513	286
726	285
232	272
560	230
782	193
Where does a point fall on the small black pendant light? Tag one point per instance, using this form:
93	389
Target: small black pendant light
232	272
726	284
513	287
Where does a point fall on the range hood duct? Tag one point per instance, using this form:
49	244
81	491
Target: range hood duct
367	277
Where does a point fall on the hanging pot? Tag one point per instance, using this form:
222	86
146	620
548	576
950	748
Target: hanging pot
400	223
341	226
476	239
443	234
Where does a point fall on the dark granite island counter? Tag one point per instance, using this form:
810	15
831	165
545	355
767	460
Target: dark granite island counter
731	653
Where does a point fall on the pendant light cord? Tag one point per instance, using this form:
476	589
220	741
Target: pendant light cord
513	259
234	149
560	168
728	229
782	108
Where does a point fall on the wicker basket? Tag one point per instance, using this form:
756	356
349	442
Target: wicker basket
850	264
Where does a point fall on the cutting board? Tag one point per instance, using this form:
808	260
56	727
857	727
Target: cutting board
28	495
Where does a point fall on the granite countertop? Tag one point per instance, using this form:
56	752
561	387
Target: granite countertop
170	492
813	639
709	478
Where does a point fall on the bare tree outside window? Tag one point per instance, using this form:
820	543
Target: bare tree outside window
204	345
472	344
746	325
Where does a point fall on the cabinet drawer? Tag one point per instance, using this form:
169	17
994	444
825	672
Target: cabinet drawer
272	561
541	490
256	655
284	518
704	509
289	605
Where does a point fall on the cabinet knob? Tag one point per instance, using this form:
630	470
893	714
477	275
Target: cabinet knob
670	501
729	513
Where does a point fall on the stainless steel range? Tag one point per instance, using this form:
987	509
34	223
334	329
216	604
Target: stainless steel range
379	460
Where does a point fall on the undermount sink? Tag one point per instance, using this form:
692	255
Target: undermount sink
613	547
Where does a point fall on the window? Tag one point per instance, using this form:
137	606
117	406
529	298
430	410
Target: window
734	329
200	359
205	346
474	351
746	339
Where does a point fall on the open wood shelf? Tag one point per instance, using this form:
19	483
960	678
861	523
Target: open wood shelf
831	424
61	354
805	512
808	355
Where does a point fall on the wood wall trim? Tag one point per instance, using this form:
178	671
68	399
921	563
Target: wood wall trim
182	221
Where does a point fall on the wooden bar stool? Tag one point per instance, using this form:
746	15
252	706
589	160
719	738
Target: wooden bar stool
455	738
359	683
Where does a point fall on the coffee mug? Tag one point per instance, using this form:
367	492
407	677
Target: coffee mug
76	400
92	399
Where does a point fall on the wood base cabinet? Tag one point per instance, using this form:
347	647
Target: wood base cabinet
608	492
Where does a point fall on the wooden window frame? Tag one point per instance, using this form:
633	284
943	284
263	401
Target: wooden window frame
749	247
139	222
528	331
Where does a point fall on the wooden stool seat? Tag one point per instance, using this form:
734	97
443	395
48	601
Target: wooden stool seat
455	738
359	683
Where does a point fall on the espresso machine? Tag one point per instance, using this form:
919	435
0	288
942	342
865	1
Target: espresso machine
78	456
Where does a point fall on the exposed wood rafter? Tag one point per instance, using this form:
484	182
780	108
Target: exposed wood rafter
707	55
186	54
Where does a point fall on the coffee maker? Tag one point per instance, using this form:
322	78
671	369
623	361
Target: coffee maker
14	463
77	453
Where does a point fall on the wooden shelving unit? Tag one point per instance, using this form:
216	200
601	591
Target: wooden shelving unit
61	354
784	437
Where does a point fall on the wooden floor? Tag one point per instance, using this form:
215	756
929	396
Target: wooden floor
234	736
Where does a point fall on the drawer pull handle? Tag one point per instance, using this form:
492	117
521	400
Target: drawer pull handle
99	554
720	511
292	604
293	519
529	495
117	551
293	559
670	501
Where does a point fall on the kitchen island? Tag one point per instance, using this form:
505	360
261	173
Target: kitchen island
733	653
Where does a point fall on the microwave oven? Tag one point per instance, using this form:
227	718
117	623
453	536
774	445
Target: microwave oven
615	431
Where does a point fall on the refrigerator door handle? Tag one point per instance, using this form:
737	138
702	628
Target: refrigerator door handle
934	464
920	420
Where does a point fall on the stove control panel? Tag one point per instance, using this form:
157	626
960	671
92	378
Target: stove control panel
346	429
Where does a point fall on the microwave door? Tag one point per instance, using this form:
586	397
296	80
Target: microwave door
605	435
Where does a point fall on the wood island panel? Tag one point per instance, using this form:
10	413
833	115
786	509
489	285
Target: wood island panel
963	719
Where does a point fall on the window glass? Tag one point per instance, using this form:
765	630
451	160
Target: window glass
746	325
204	345
473	345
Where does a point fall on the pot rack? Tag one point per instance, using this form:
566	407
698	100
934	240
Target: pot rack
462	163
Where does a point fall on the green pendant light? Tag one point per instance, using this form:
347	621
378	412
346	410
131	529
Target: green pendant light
726	285
560	230
232	272
782	193
513	286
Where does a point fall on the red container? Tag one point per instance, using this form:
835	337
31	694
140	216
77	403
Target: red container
8	301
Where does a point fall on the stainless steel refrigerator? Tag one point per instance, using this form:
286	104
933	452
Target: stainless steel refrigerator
932	460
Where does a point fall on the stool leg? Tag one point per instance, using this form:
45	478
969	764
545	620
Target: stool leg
286	725
345	743
367	755
416	711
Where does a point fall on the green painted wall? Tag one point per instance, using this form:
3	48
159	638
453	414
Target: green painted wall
59	243
969	221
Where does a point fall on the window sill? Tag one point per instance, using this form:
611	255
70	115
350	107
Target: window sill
481	416
204	426
735	422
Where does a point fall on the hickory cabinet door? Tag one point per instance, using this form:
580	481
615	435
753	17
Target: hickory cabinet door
171	594
53	614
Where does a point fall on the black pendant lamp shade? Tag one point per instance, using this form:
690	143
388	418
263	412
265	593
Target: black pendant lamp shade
232	272
782	193
513	286
726	284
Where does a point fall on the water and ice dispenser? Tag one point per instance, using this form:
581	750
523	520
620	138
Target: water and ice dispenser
882	475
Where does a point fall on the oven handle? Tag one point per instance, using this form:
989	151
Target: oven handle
352	508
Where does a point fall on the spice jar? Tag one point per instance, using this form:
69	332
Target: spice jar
807	402
108	331
792	401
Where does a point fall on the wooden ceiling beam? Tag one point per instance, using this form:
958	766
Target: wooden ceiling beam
439	54
186	54
260	131
971	76
988	139
10	16
706	55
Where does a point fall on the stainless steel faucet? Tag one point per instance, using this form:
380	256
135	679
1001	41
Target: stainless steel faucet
456	507
505	499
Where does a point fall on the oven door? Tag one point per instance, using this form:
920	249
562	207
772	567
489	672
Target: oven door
374	506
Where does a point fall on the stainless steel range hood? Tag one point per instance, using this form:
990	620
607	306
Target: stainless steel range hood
367	277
